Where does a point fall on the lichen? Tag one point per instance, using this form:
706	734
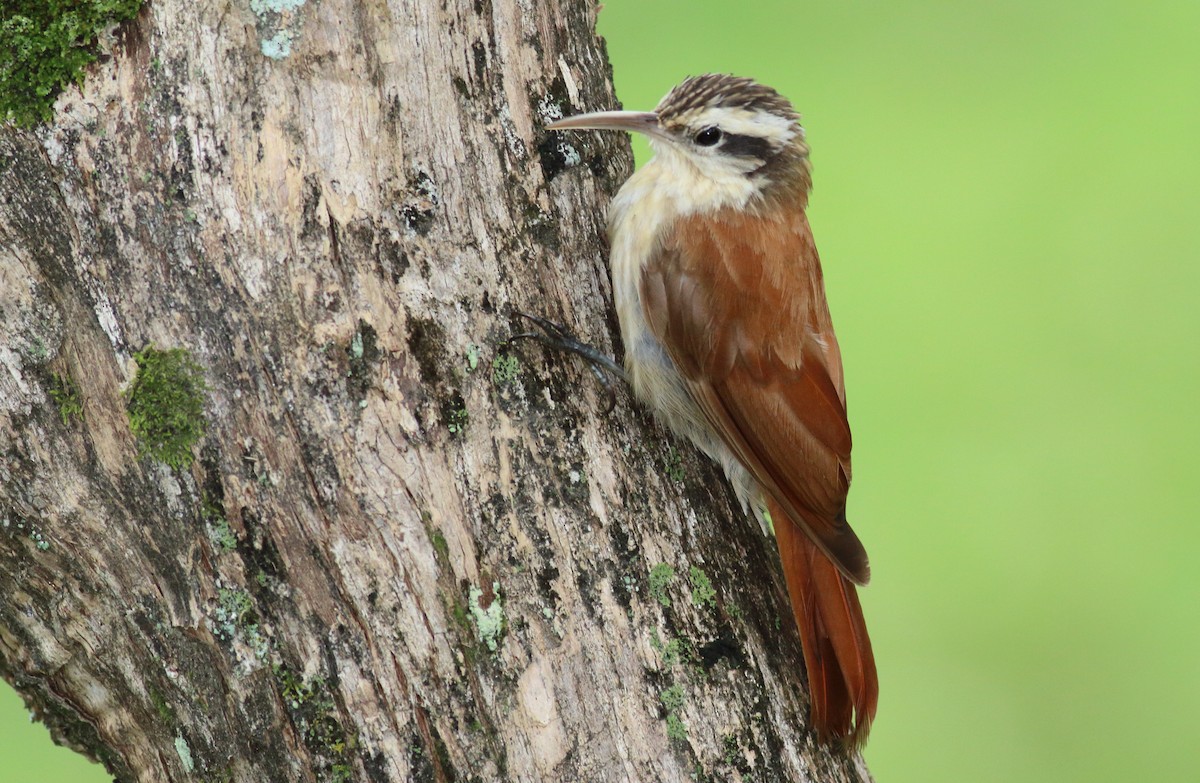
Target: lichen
489	621
185	754
279	23
361	354
219	531
166	405
46	45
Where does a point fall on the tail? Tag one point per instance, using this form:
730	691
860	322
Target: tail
837	650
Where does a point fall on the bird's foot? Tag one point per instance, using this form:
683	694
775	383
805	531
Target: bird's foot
556	336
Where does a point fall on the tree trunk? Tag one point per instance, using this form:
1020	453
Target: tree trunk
405	549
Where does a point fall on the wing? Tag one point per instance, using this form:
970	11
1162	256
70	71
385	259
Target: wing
738	302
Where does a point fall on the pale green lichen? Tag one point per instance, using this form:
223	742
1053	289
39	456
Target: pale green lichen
185	754
279	22
489	622
277	46
260	7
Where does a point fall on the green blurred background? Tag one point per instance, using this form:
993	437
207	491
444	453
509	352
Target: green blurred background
1005	203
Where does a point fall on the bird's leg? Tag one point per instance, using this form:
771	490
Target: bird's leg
556	336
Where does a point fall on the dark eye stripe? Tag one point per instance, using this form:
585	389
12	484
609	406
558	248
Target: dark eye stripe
746	146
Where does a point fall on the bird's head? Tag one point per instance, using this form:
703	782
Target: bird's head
729	130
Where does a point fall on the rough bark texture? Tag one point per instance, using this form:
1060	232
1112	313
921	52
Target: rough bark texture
406	550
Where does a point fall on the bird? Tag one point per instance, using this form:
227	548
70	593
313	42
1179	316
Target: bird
728	339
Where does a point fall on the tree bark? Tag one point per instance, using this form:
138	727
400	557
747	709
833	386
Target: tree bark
406	549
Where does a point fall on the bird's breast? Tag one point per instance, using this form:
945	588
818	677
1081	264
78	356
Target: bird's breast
645	209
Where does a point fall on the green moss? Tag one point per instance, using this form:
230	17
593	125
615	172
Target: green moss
703	593
312	709
674	465
660	577
457	420
672	702
166	405
160	705
731	750
505	369
673	651
65	393
676	728
44	47
440	547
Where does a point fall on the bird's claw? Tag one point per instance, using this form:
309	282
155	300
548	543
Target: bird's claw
556	336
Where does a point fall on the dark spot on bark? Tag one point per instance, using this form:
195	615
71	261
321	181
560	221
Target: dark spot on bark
585	583
391	260
259	550
363	353
376	767
420	201
725	647
310	221
392	116
427	341
479	59
595	164
552	153
545	582
420	765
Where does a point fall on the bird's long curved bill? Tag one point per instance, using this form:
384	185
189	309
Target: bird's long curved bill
633	121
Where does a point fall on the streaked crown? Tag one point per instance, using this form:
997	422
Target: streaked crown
722	91
752	126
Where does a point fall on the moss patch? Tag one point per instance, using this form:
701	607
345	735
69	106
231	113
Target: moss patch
703	593
310	703
65	393
672	701
166	405
660	578
44	47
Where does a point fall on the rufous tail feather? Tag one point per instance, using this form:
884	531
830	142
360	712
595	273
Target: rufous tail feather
837	651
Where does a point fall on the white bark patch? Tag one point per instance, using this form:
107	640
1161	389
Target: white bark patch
544	726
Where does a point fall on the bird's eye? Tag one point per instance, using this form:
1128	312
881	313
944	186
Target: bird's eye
708	137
